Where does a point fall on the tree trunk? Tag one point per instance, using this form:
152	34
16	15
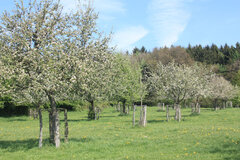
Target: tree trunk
224	105
163	107
179	113
57	130
134	109
97	113
215	105
41	127
230	105
124	107
91	113
128	109
192	105
176	113
167	113
35	114
66	126
197	105
51	134
54	122
31	112
198	108
143	116
119	107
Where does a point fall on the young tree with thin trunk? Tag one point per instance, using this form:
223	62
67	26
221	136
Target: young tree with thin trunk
127	84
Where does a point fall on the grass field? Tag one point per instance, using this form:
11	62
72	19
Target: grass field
211	135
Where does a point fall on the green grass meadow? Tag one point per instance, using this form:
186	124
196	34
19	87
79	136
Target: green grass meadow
210	135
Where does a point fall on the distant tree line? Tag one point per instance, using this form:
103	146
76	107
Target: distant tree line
209	54
215	55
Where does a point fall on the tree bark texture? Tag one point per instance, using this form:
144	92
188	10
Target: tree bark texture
91	113
133	121
124	107
51	132
54	124
33	113
30	113
119	107
193	108
215	105
167	113
198	108
143	116
97	113
224	104
98	116
41	127
57	130
178	115
230	104
66	126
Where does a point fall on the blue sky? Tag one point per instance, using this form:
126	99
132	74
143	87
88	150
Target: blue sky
158	23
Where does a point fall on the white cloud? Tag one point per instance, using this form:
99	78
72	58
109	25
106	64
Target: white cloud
125	38
169	19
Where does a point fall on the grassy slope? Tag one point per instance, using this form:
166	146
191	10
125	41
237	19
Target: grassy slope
212	135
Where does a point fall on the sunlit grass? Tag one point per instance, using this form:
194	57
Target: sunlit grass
211	135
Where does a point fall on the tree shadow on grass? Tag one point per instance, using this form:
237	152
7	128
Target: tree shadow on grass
13	120
81	140
107	116
76	120
156	121
163	111
25	145
19	145
192	115
229	150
